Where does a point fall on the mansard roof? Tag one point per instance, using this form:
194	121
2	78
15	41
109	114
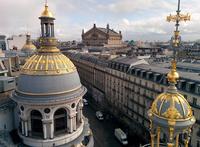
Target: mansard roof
106	31
109	31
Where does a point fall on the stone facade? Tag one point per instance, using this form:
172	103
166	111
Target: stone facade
50	115
16	42
102	37
129	92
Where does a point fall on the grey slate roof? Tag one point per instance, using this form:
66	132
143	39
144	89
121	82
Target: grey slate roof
186	75
87	57
125	60
189	76
109	31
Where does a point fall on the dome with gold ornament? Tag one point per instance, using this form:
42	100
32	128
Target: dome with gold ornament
29	46
170	107
48	64
48	75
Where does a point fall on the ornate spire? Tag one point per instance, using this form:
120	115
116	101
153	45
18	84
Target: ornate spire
170	112
173	76
48	59
177	18
48	42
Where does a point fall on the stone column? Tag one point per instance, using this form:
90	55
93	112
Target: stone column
46	30
29	127
45	130
49	30
26	128
50	33
48	128
74	123
70	123
52	30
81	114
22	126
52	130
42	29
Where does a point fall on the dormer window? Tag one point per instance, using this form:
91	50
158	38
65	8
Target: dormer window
189	86
194	102
198	89
156	77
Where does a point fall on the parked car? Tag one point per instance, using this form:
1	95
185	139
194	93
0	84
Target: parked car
121	136
85	102
99	115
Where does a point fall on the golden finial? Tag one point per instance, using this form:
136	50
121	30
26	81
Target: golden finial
46	12
173	75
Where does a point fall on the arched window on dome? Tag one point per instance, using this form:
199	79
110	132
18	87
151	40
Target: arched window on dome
36	124
60	122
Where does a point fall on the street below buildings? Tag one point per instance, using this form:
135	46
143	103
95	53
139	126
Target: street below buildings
103	131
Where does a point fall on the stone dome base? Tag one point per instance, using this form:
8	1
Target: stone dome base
67	140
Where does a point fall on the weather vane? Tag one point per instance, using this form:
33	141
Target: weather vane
177	19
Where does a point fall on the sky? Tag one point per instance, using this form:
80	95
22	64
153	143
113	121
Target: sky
137	19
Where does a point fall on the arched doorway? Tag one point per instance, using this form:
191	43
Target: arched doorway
60	122
36	124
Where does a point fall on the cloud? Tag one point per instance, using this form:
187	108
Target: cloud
138	19
156	28
120	6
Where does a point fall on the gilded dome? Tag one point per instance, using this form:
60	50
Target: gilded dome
171	106
47	13
28	47
48	64
48	76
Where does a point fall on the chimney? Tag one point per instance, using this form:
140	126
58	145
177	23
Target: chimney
108	27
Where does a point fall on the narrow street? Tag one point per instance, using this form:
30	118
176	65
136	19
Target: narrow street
103	131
